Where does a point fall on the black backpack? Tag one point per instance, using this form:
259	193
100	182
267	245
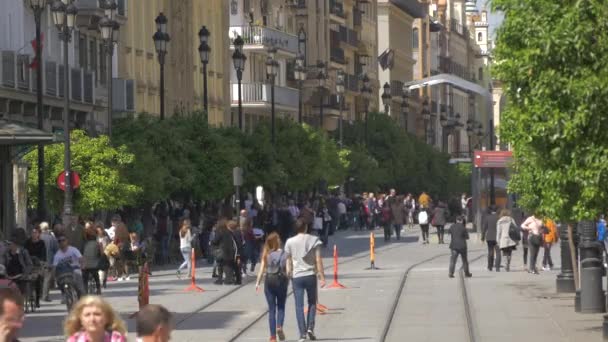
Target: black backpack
514	233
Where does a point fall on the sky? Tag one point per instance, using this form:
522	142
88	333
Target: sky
495	20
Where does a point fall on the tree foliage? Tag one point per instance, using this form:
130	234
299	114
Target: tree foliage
101	168
552	57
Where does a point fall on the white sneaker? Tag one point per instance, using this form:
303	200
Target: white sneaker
121	279
128	278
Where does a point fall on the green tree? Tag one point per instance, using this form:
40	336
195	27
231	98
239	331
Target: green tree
554	68
101	168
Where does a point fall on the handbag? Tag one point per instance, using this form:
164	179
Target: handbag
535	240
104	262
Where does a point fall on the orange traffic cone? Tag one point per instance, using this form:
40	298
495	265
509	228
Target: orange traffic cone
336	284
193	286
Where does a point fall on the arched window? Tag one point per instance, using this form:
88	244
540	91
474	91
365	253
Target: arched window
479	36
415	39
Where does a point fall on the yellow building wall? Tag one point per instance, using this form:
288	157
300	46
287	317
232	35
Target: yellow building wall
183	69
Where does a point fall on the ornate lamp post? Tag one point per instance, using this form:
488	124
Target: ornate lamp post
204	50
161	39
110	33
272	69
340	90
64	17
238	59
300	76
404	107
367	92
321	77
426	116
37	7
386	97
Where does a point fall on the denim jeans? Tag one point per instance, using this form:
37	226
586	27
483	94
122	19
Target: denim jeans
308	284
186	251
276	295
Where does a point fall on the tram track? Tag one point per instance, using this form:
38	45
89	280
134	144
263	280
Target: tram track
399	294
227	294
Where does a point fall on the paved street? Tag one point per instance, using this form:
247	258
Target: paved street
503	306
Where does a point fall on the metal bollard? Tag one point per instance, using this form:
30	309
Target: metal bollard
592	293
565	280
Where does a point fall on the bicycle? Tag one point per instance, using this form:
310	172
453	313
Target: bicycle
29	296
65	282
91	285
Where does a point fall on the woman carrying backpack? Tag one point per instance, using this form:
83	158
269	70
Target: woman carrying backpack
274	263
506	235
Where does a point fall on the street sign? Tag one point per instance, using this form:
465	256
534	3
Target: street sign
75	177
493	159
237	176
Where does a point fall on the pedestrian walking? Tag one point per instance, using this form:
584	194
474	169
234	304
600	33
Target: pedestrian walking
550	237
185	247
304	265
224	248
458	247
397	213
274	267
424	200
12	317
423	220
104	262
93	320
50	243
533	225
153	323
440	215
410	207
37	250
238	259
387	220
91	255
506	231
488	234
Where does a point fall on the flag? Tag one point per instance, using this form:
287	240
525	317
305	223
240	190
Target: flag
387	59
34	64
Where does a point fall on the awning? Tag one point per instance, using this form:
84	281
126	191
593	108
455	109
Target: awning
15	134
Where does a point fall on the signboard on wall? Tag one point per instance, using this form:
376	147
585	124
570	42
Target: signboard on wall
493	159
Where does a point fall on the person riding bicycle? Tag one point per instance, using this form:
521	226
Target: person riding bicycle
18	264
69	260
37	249
5	282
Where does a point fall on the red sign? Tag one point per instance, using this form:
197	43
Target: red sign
493	159
75	180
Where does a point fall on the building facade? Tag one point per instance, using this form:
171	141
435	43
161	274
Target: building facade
396	42
183	68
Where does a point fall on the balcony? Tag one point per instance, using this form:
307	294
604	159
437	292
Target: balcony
348	36
259	38
337	55
257	95
89	13
336	10
396	88
15	73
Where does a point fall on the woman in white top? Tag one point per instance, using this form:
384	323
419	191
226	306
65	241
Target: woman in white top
185	239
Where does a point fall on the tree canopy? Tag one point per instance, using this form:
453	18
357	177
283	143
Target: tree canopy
551	57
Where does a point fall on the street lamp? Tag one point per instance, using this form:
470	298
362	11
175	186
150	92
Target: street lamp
204	51
37	7
300	76
161	39
386	97
109	33
404	107
64	16
321	77
272	69
340	90
238	59
367	92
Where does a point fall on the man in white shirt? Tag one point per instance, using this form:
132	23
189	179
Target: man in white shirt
116	220
304	264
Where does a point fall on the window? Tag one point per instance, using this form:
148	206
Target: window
93	60
102	65
479	37
415	38
82	51
480	74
